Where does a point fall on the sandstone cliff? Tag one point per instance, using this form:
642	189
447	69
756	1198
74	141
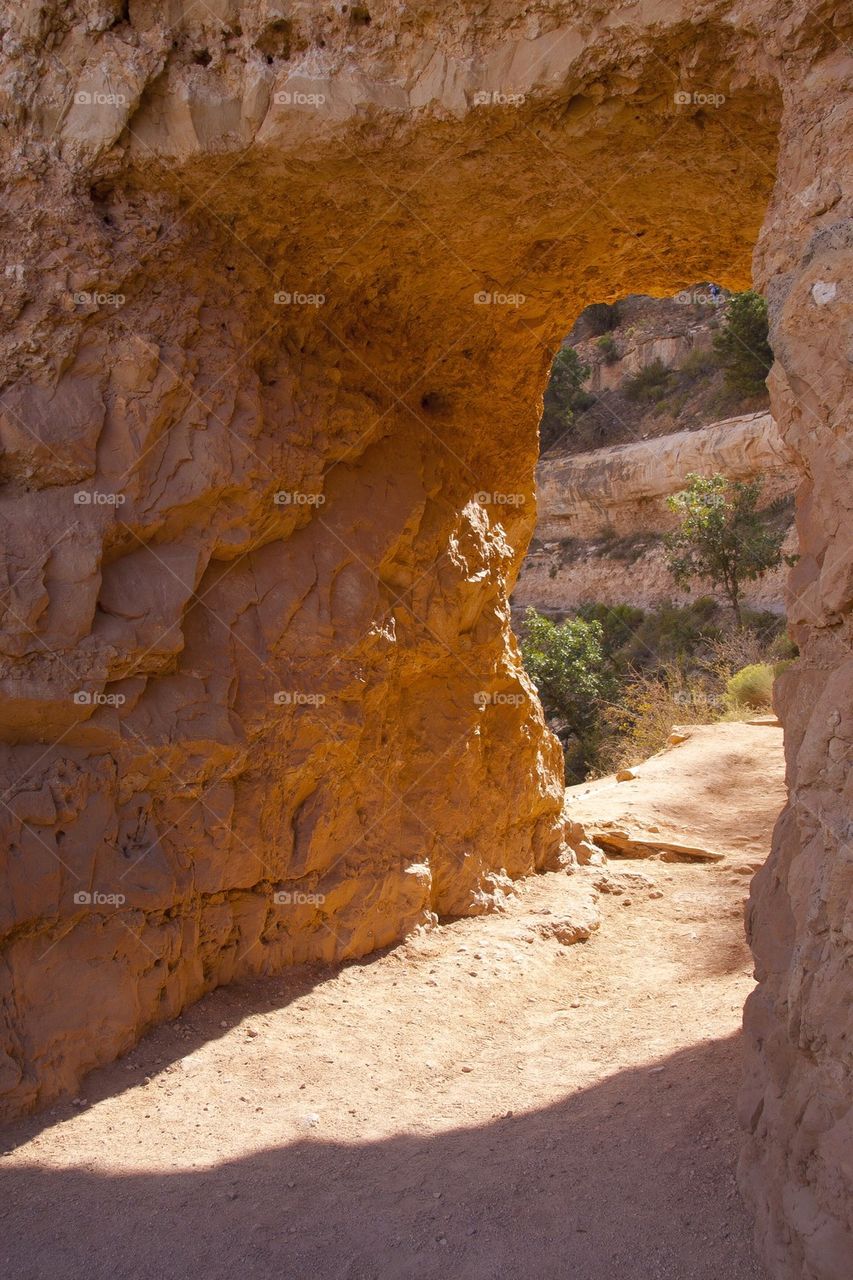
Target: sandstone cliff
251	255
601	515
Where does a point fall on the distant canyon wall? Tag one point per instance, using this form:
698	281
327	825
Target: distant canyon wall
626	487
592	506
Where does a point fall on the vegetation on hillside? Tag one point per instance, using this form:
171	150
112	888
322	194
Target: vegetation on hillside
564	397
722	536
723	375
742	346
614	680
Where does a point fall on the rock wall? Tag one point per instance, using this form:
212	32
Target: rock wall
591	506
329	253
626	487
796	1102
667	330
558	578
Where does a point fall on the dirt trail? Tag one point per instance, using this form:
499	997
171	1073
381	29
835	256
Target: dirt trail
483	1102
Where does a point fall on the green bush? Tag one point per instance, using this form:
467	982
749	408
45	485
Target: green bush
566	662
742	345
563	396
700	363
751	687
649	384
608	349
618	623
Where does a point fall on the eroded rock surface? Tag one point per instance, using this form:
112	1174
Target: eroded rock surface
615	486
588	499
212	697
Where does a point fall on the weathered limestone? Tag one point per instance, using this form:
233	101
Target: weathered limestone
619	486
797	1100
586	498
280	748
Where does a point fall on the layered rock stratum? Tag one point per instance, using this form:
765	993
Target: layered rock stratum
325	256
602	515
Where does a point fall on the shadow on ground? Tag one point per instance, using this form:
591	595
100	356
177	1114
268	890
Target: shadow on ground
631	1179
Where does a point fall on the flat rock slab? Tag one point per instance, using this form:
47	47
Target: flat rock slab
715	794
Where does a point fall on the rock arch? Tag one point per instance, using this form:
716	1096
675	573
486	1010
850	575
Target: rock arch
281	300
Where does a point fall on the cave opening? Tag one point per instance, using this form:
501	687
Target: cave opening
263	704
652	402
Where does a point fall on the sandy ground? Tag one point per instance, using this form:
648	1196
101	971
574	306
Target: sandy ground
715	794
484	1102
481	1102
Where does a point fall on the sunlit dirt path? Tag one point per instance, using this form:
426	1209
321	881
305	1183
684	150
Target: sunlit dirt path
483	1101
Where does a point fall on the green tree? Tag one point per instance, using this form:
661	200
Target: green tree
568	665
564	396
722	536
742	347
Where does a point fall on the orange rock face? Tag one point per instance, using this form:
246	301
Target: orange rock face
280	296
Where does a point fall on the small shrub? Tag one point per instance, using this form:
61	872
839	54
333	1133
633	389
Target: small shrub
742	345
608	349
649	384
677	402
569	549
618	622
672	634
566	662
605	537
641	722
632	546
751	688
583	400
699	363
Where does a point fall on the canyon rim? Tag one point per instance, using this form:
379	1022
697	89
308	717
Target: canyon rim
281	289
